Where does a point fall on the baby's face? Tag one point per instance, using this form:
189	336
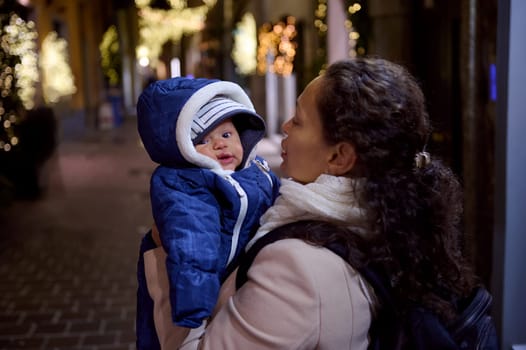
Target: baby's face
223	144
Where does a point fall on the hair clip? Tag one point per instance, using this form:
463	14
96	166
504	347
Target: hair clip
422	159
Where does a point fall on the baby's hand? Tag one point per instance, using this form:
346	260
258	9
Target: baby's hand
155	235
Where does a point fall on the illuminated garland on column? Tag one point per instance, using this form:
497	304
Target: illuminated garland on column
245	45
320	23
356	24
57	77
158	26
18	75
110	56
278	41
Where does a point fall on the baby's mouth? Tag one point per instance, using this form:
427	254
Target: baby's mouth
224	156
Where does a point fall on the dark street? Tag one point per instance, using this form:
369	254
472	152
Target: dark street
67	261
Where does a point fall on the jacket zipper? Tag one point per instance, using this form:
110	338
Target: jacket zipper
241	217
263	166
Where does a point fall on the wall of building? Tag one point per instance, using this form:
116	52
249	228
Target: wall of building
509	280
81	23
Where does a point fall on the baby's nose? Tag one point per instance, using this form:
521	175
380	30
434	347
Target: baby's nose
219	143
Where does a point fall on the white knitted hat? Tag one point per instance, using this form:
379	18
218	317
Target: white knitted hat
213	113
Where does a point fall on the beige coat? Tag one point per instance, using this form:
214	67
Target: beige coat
297	297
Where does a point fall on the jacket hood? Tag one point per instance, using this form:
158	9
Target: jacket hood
166	109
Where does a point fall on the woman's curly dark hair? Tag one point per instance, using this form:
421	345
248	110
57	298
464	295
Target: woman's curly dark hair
379	108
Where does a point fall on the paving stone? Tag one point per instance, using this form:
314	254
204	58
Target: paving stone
27	343
38	317
101	339
17	330
84	327
47	328
9	318
62	342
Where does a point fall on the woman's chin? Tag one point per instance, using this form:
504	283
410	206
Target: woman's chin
283	169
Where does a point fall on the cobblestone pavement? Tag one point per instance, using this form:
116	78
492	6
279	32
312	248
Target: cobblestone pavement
68	260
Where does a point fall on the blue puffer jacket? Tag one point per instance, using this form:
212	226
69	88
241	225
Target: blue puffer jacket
205	214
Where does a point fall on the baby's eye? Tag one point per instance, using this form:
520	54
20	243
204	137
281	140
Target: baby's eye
203	142
227	134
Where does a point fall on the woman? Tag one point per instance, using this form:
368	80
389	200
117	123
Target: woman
354	155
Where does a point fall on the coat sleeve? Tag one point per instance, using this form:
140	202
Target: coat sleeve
188	220
297	296
271	311
277	308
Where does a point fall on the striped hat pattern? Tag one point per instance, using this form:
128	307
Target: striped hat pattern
213	113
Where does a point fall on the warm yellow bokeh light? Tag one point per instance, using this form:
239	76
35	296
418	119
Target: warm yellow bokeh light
57	77
158	26
244	52
277	48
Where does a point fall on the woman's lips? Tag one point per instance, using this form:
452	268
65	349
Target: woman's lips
283	152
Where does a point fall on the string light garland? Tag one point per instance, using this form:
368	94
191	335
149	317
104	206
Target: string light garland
18	75
57	77
110	56
356	23
320	23
158	26
277	47
245	45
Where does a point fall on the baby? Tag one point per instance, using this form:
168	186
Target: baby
207	193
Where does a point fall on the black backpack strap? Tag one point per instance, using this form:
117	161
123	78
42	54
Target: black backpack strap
275	235
385	323
479	305
420	328
377	280
248	258
475	327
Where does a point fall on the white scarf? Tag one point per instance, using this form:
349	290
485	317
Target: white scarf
329	198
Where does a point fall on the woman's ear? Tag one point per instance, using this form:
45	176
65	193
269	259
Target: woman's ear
342	159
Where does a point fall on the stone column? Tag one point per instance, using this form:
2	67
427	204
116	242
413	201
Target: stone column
391	29
75	42
477	47
337	35
509	282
